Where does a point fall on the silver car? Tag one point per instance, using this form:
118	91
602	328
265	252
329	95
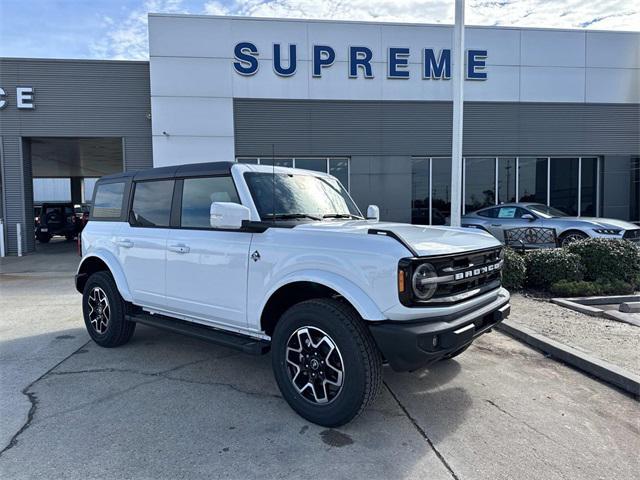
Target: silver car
497	219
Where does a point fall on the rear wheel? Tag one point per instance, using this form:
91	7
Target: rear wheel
325	361
104	311
43	237
571	237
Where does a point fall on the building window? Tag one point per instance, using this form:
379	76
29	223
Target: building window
431	191
563	184
51	190
589	187
532	180
336	166
506	179
479	183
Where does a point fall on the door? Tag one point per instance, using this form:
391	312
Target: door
510	217
206	268
142	243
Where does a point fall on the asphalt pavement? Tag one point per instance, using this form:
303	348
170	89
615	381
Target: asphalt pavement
166	406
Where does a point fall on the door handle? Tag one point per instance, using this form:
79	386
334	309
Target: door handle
124	243
179	248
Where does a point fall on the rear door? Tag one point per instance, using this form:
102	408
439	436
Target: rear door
142	242
206	267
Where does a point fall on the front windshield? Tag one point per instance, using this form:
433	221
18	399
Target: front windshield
548	212
303	196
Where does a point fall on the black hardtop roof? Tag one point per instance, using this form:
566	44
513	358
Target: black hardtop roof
189	170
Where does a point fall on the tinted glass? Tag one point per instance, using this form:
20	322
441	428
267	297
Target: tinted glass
108	202
506	180
490	212
532	180
420	191
152	203
479	184
546	212
634	194
199	193
339	168
563	185
287	194
316	164
280	162
441	191
589	185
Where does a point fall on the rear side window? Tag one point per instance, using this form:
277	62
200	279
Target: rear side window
152	204
199	193
108	201
489	212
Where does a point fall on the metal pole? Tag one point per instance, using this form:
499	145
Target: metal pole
2	251
19	238
458	100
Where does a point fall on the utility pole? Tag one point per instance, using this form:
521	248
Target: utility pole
458	102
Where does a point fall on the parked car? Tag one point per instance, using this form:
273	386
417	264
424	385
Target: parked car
499	218
260	258
56	219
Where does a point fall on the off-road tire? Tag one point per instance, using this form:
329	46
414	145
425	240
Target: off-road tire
361	360
118	330
43	238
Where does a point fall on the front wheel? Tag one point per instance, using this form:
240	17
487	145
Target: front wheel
325	361
571	237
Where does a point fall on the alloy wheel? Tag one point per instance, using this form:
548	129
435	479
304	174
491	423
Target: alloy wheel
99	310
315	365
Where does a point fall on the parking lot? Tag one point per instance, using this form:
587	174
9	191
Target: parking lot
166	406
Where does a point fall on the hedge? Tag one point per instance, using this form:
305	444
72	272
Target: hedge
565	288
545	267
608	260
514	271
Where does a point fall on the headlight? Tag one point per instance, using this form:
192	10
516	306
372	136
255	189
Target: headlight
607	231
422	282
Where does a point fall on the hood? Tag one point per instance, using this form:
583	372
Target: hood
596	222
425	240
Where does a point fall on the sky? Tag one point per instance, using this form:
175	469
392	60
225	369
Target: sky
117	29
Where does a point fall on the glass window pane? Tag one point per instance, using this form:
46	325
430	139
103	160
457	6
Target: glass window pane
420	191
152	203
280	162
252	161
88	184
506	180
589	185
441	191
199	193
315	164
634	194
563	185
480	179
108	202
532	180
51	190
339	168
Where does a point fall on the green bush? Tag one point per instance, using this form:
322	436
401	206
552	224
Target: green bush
545	267
565	288
604	259
514	271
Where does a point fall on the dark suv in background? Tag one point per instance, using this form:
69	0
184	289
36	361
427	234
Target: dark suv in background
57	219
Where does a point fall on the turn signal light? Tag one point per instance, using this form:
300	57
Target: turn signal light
401	285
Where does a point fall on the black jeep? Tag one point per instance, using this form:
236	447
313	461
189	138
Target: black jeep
57	219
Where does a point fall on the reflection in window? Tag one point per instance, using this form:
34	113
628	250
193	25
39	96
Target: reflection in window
152	203
315	164
108	203
339	168
563	185
532	180
506	179
199	193
420	191
479	182
441	191
589	187
280	162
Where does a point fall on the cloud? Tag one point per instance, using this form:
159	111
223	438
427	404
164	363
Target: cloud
128	39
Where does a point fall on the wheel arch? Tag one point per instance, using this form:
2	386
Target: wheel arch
102	261
307	285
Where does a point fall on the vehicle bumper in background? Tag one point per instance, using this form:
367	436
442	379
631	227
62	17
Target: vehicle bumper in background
408	346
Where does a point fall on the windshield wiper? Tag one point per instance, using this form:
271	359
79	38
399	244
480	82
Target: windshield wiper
288	216
342	215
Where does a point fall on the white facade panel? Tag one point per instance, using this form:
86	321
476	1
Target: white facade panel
613	49
181	150
504	86
199	116
340	36
613	85
335	85
191	77
266	84
263	34
551	84
502	44
548	48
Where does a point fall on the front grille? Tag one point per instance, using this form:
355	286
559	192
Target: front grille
632	234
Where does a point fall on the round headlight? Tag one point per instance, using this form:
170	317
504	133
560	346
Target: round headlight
423	285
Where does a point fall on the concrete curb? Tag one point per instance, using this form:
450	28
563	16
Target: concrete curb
582	305
600	369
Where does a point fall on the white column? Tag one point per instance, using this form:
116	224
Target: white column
458	100
2	251
19	238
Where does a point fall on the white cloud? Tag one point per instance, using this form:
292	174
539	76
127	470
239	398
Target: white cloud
129	38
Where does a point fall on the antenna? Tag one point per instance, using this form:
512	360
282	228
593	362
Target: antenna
273	181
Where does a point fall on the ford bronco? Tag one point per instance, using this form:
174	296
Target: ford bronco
277	259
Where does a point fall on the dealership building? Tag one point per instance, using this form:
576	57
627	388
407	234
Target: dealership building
551	116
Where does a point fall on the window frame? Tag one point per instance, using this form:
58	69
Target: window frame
126	196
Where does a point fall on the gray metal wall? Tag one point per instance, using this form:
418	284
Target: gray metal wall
381	138
73	98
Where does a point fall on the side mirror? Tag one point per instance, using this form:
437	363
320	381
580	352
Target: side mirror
528	216
373	213
228	215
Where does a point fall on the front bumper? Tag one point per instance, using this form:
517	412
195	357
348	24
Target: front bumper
407	346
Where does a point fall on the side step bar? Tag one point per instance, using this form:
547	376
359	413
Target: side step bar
245	344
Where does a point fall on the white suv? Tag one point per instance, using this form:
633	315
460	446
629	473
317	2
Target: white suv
261	258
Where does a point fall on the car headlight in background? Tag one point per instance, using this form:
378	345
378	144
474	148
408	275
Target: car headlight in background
607	231
423	282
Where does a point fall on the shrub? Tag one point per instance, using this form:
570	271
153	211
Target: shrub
603	259
565	288
514	271
545	267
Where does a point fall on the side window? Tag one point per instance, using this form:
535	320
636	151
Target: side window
199	193
520	212
152	204
108	201
507	212
489	212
